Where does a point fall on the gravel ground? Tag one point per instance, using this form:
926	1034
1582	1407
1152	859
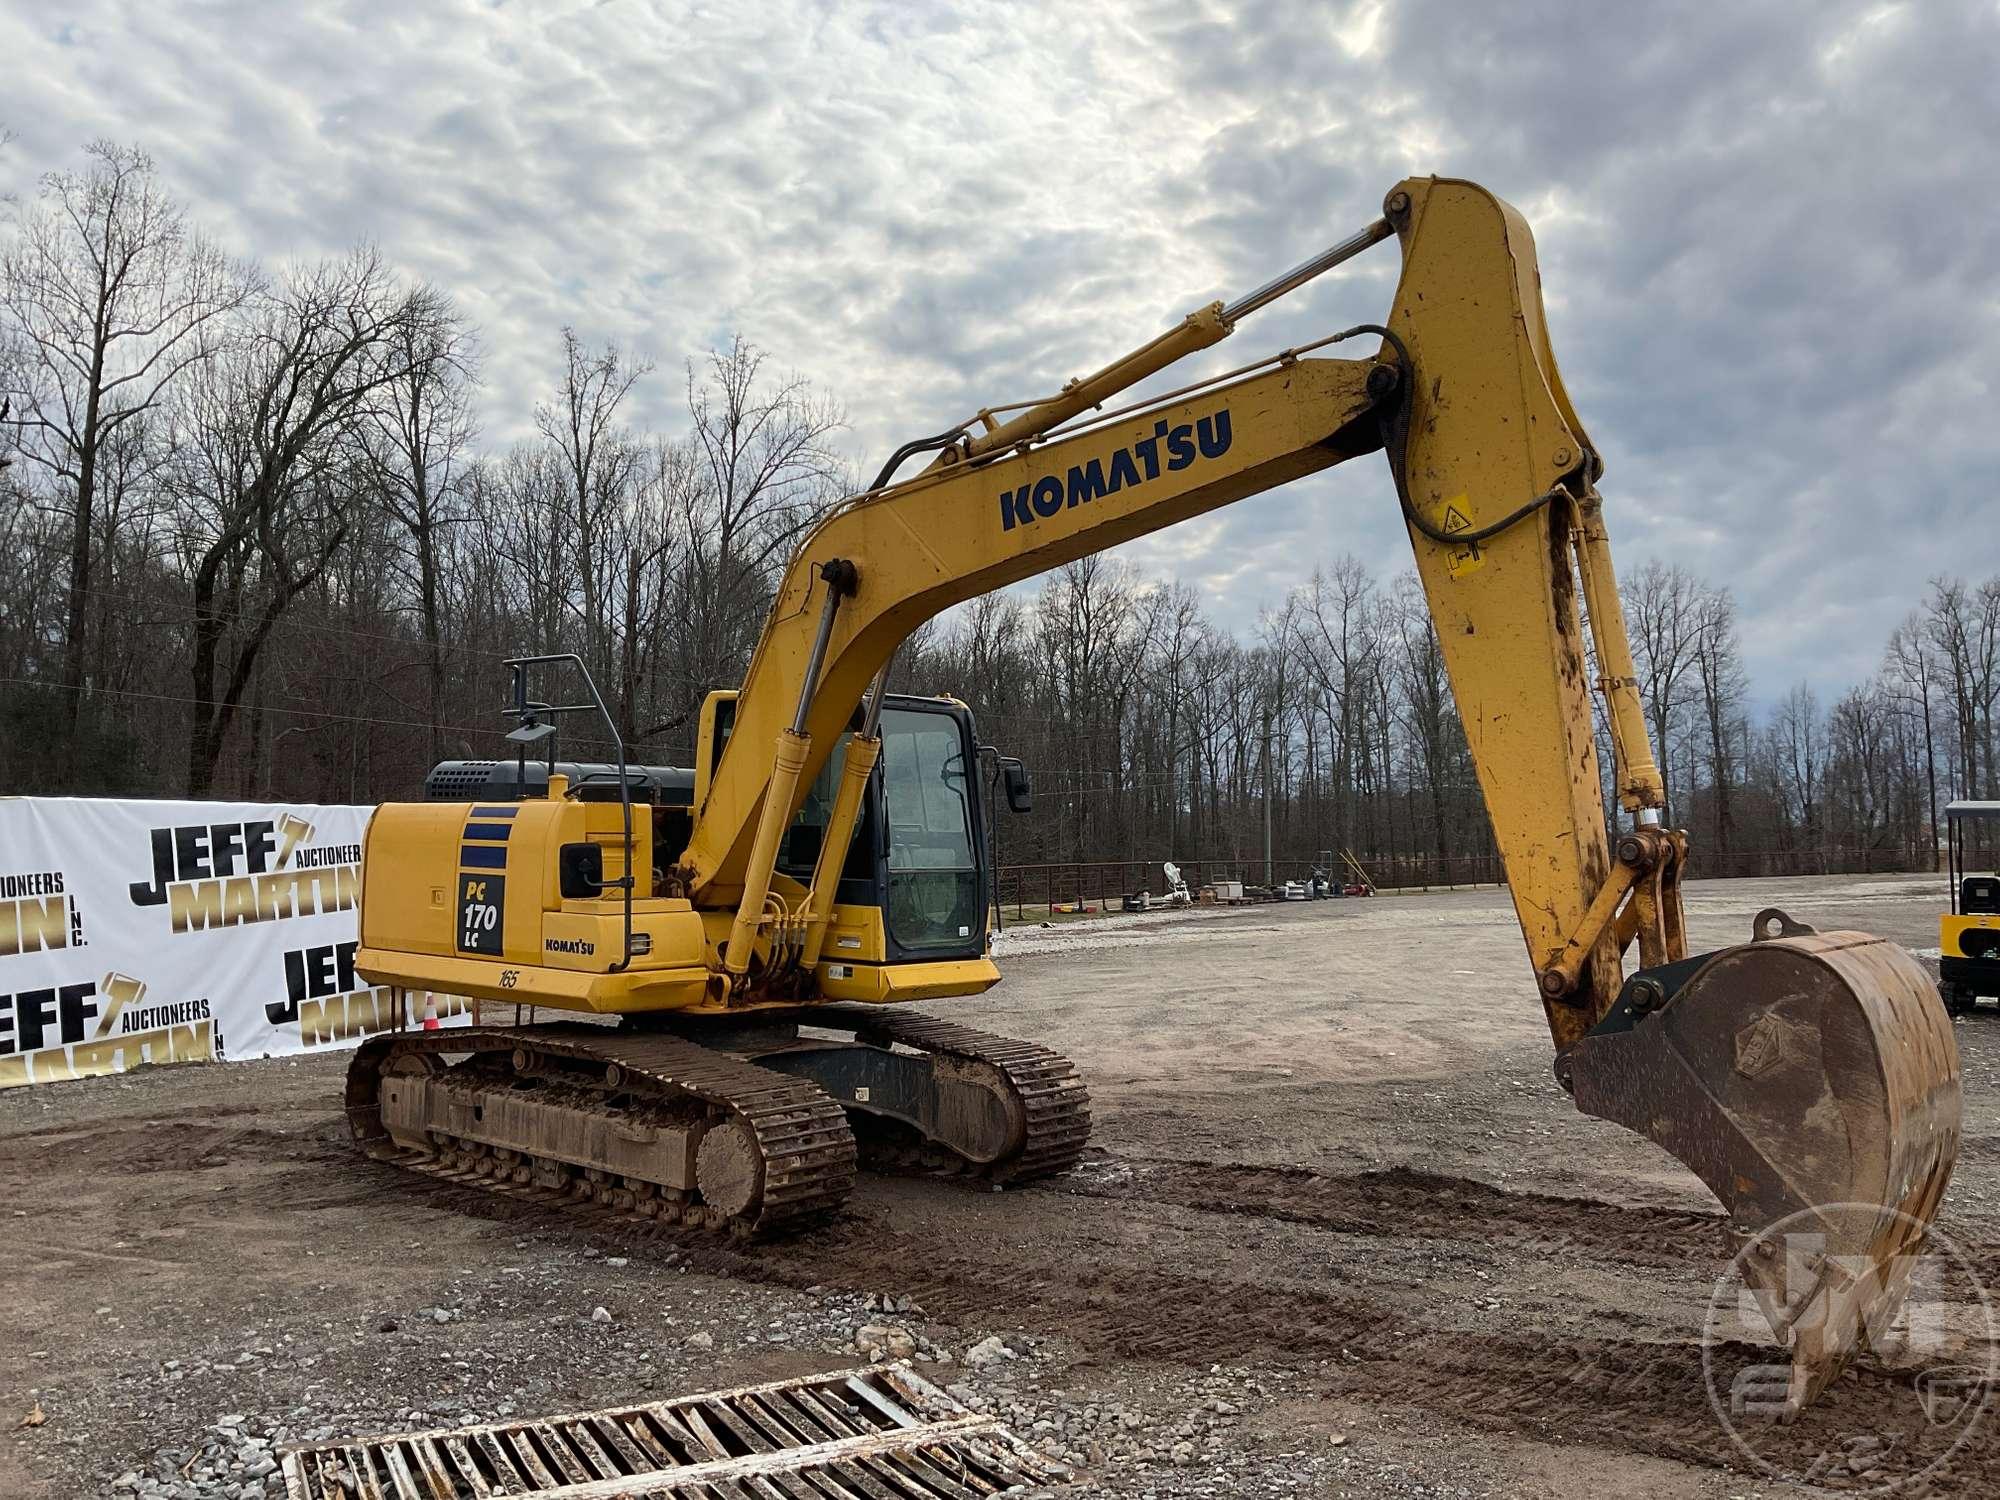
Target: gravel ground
1339	1235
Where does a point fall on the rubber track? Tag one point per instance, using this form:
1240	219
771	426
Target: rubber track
1054	1099
808	1150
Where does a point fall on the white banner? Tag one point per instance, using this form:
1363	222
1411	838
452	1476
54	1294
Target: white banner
161	932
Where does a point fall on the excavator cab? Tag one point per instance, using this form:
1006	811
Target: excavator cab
1969	934
918	854
919	851
914	883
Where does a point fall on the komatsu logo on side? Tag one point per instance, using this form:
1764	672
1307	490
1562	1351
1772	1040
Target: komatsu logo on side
1127	467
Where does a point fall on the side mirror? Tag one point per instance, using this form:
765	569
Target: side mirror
580	869
1020	788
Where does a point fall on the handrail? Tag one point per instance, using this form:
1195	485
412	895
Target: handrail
527	712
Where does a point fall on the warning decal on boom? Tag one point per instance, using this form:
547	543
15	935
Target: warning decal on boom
1461	560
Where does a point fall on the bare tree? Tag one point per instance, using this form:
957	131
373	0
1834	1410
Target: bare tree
273	460
520	501
1663	617
418	444
107	296
603	468
1962	625
1910	678
1428	714
1174	625
766	471
1721	683
1084	621
1336	645
1797	738
651	557
1862	769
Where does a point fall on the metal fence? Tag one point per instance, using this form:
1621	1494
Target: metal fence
1837	859
1096	884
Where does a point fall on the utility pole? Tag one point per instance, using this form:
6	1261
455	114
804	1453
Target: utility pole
1267	798
1194	794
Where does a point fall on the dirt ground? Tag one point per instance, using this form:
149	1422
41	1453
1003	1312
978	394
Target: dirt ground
1339	1234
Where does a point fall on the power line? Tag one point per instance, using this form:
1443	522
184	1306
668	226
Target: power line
273	708
302	619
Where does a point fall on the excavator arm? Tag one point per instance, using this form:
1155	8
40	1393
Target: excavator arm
1495	476
1802	1074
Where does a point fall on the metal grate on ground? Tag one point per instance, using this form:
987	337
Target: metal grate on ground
883	1433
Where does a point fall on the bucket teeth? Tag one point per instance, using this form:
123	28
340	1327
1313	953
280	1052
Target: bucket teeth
1827	1304
1811	1081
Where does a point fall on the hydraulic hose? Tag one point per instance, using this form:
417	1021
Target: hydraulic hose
910	450
1395	436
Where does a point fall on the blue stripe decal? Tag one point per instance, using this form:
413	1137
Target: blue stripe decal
494	812
492	832
482	857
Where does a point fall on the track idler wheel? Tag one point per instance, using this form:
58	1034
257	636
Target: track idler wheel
1812	1081
729	1170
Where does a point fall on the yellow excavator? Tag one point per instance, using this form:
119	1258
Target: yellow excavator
737	938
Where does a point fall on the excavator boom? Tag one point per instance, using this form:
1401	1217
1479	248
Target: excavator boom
1795	1074
1496	477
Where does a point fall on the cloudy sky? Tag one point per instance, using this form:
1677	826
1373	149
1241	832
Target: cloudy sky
1768	231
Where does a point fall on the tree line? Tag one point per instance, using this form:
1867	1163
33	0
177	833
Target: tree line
1165	732
254	542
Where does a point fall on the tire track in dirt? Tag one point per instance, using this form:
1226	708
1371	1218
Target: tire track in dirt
1404	1203
70	1131
1638	1394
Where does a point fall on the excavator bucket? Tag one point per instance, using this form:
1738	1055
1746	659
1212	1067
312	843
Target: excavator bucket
1812	1081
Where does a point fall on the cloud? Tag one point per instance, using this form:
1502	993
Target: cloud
1766	231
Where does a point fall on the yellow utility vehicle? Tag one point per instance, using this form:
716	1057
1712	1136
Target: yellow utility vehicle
1969	934
753	923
